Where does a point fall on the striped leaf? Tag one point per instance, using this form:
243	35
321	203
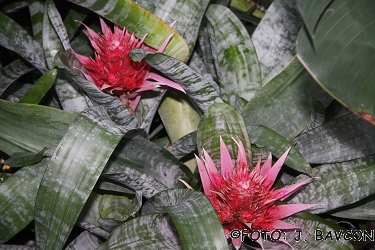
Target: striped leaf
198	88
276	34
184	146
137	20
71	175
24	127
361	210
338	184
155	231
57	23
235	59
285	104
345	138
186	13
12	72
70	21
84	241
36	93
36	9
277	144
221	120
194	217
15	38
18	193
50	39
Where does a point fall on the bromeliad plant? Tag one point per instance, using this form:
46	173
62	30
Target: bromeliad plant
96	152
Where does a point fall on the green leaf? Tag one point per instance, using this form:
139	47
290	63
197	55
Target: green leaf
137	20
72	173
340	53
345	138
198	88
276	34
12	72
155	231
278	144
361	210
70	21
285	104
195	219
221	120
337	185
18	193
22	159
36	93
235	59
184	146
15	38
25	126
311	12
119	207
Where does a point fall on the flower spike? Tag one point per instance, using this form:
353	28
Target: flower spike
245	199
114	72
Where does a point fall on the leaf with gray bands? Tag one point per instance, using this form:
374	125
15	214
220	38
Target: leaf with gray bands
18	193
337	185
58	24
222	120
15	38
195	219
345	138
276	34
184	146
72	173
84	241
236	62
12	72
155	231
36	9
198	88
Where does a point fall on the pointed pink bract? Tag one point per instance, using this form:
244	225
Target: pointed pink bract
246	199
114	72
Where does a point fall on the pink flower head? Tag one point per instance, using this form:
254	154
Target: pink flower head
245	199
114	72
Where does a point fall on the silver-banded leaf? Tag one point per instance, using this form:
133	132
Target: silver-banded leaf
276	34
184	146
36	9
15	38
18	193
285	104
36	93
22	159
50	39
198	88
84	241
236	62
194	217
345	138
340	54
278	144
115	108
221	120
361	210
57	23
12	72
119	207
155	231
337	185
186	13
150	159
25	126
72	173
139	21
